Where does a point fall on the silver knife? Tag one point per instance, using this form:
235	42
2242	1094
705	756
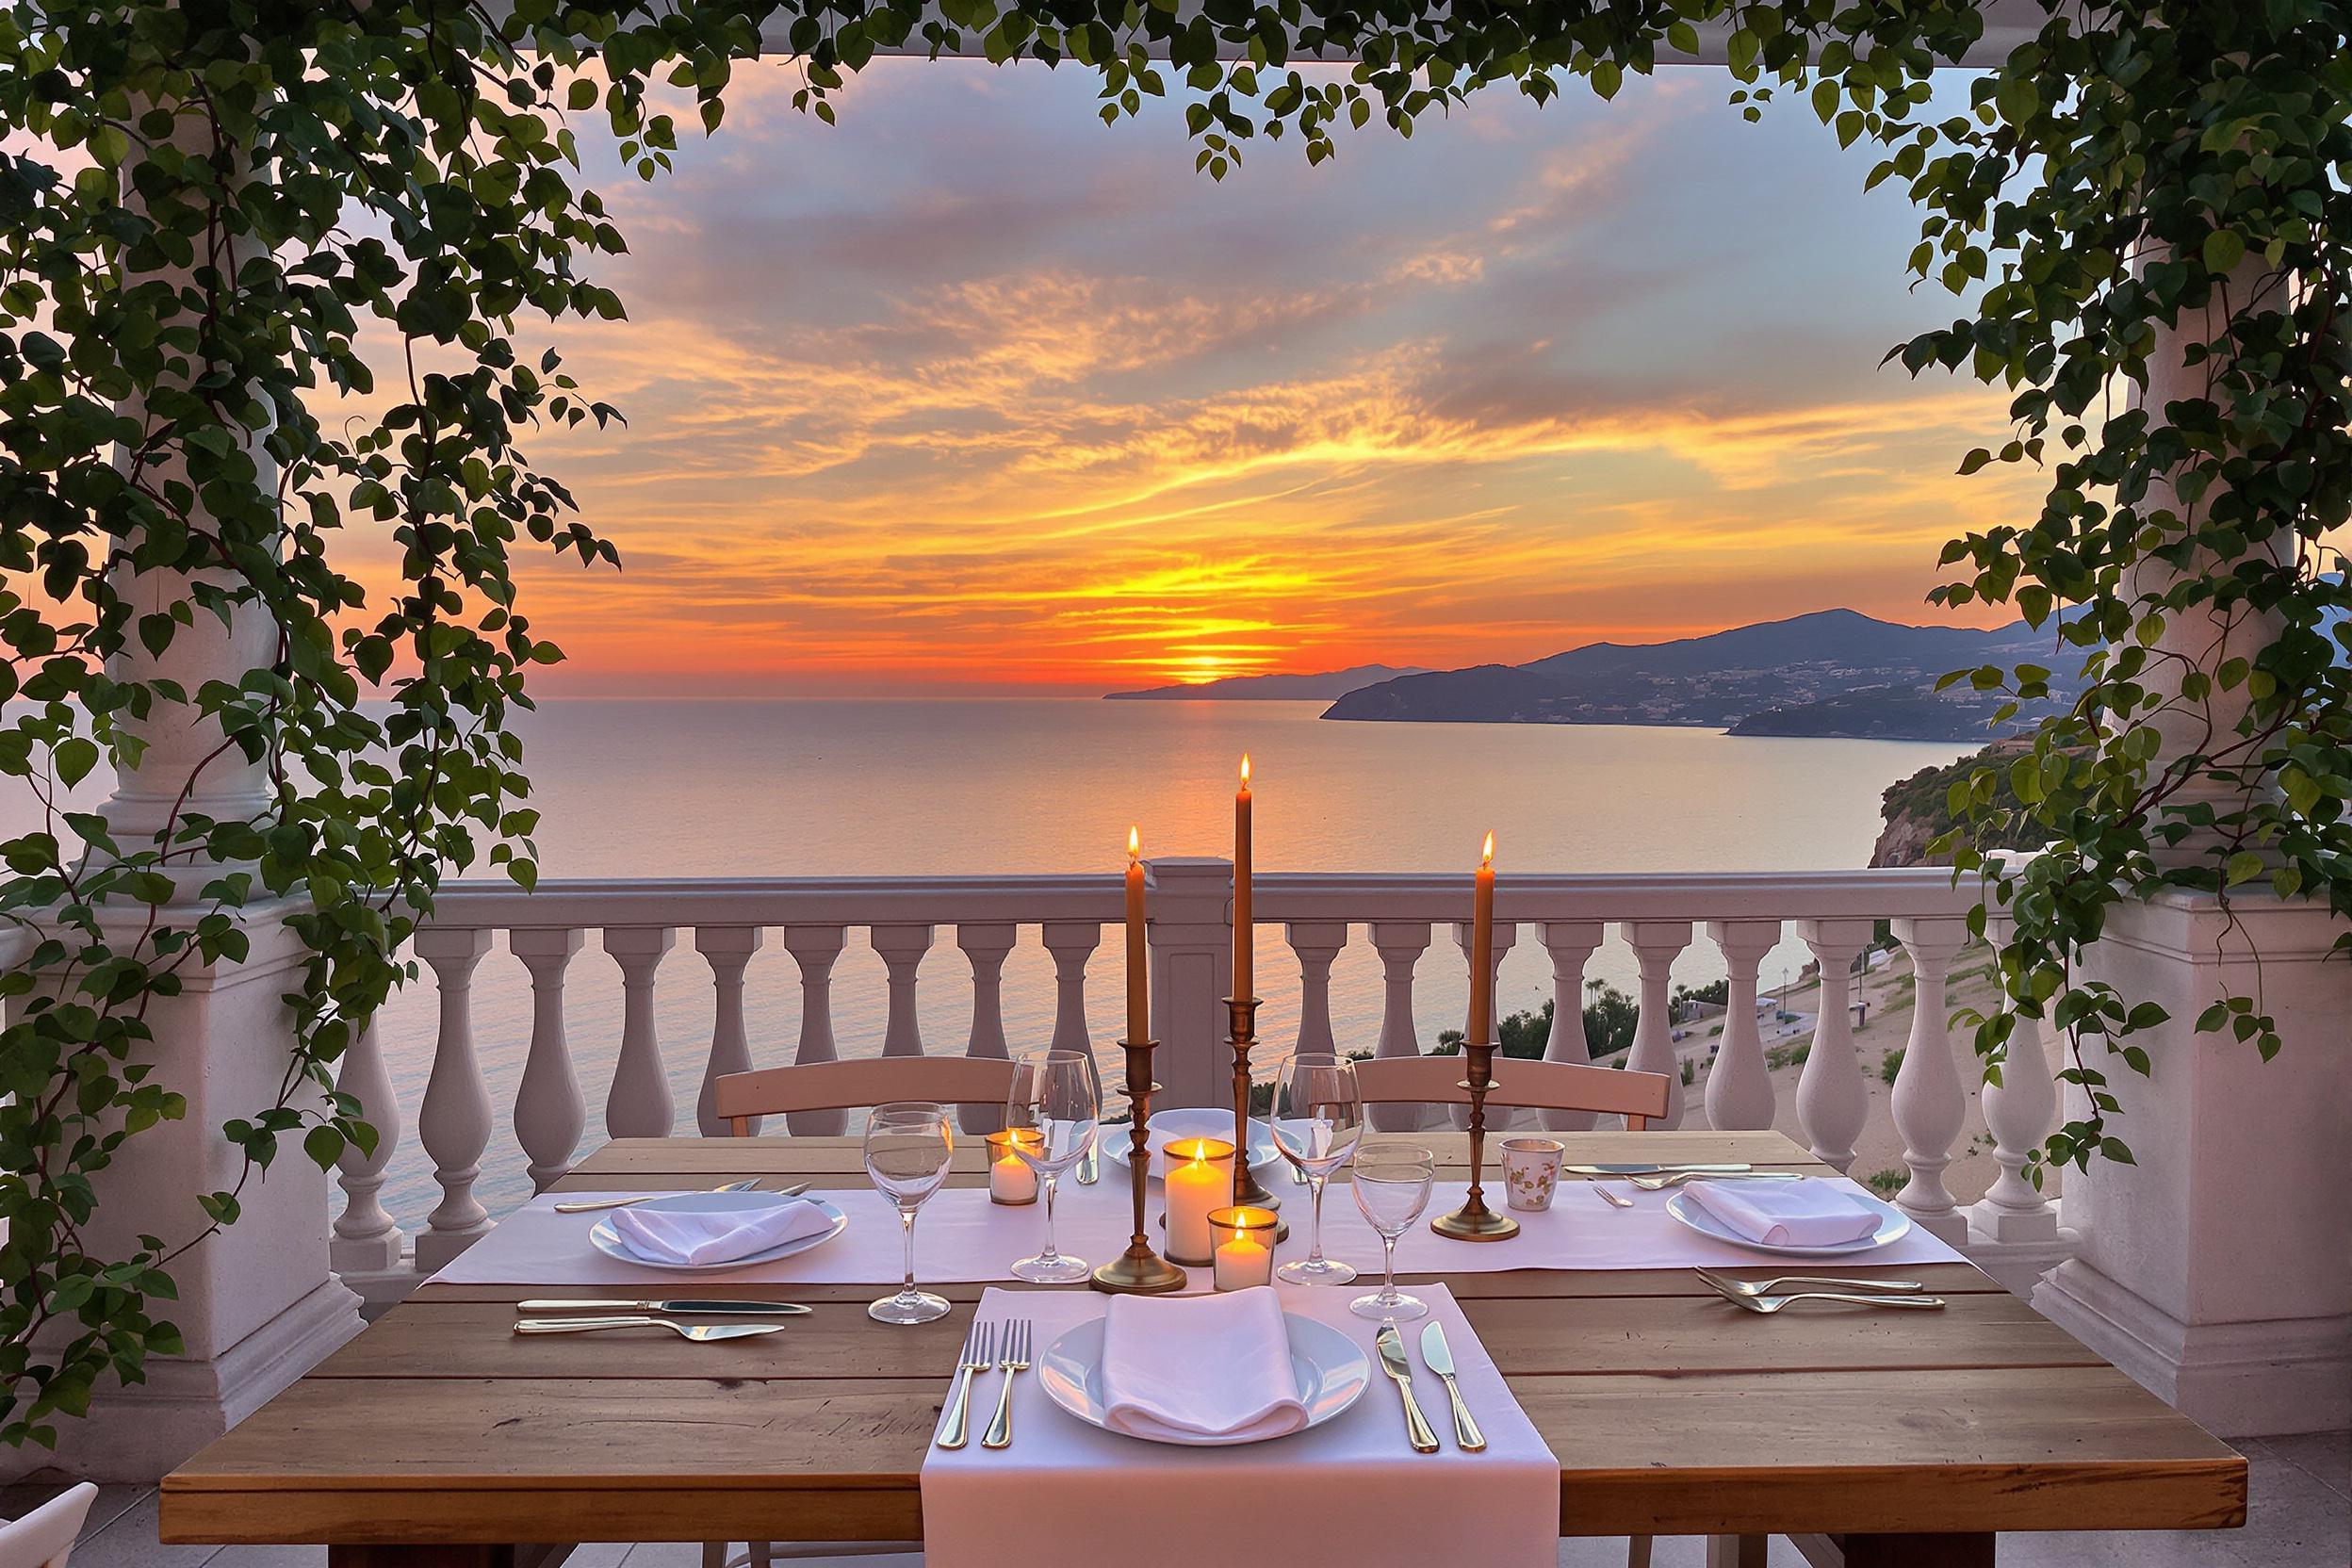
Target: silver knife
768	1309
1640	1169
1393	1361
1440	1358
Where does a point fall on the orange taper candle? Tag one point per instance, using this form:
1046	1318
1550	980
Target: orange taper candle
1138	964
1482	950
1245	930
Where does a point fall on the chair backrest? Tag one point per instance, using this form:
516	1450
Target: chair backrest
44	1538
1536	1085
857	1086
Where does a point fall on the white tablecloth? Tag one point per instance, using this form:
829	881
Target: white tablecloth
1351	1491
962	1238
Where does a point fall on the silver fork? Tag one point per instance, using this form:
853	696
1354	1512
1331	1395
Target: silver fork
979	1355
1014	1359
1730	1286
589	1205
1774	1303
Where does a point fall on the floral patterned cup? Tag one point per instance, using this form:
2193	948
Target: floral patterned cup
1532	1172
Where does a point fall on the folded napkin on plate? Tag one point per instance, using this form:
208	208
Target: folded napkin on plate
1786	1214
717	1235
1200	1366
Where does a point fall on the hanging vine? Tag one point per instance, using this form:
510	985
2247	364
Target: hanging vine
211	206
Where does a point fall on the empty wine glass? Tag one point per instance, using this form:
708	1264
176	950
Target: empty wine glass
1057	1101
1317	1118
909	1146
1392	1188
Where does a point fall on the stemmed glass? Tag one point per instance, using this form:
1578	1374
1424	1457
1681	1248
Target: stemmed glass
1318	1117
908	1149
1392	1188
1057	1098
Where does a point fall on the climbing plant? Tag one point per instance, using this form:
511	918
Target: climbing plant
274	280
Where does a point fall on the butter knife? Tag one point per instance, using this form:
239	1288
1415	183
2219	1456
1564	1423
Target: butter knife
1393	1361
1637	1168
730	1309
1439	1356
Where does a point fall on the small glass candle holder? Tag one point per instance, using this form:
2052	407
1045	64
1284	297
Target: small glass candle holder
1244	1246
1012	1181
1199	1179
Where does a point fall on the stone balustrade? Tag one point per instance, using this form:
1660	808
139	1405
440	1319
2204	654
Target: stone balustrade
638	925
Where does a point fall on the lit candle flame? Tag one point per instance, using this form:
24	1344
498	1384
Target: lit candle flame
1134	844
1488	855
1244	770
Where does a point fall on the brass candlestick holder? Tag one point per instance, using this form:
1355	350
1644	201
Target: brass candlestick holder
1474	1220
1139	1270
1244	1036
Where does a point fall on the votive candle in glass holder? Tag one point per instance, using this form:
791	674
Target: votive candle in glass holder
1200	1178
1012	1181
1244	1246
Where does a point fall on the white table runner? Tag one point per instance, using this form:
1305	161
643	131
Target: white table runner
963	1238
1350	1491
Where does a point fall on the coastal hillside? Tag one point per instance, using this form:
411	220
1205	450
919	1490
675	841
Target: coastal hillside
1916	810
1834	672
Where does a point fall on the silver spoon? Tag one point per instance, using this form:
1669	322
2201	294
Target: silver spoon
1774	1303
1730	1286
1612	1199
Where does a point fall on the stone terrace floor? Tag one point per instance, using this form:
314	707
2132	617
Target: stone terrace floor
2300	1516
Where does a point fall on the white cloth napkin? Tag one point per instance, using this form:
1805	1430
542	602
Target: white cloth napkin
1200	1366
717	1235
1786	1214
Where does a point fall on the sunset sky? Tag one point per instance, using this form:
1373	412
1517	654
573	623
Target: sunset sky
972	393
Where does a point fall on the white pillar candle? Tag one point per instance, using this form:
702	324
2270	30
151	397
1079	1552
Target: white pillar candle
1010	1178
1245	1247
1200	1178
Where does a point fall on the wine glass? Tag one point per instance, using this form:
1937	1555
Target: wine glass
1392	1188
908	1149
1057	1101
1317	1118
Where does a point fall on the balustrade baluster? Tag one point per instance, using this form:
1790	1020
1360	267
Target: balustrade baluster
1506	934
366	1240
1833	1100
985	946
1316	942
902	948
550	1111
1656	944
1400	944
1072	943
639	1105
727	949
1570	943
1739	1086
454	1122
2019	1112
1931	1107
814	948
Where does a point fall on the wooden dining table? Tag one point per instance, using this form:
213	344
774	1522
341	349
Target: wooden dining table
440	1439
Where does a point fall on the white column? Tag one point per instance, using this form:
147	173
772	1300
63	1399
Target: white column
986	946
815	948
1317	943
549	1110
1400	944
1931	1107
1833	1102
902	948
1656	944
1570	943
1192	968
367	1239
639	1105
1739	1086
453	1124
728	949
1071	943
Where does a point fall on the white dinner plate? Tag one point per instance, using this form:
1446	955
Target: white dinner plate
1893	1224
1331	1370
605	1239
1208	1122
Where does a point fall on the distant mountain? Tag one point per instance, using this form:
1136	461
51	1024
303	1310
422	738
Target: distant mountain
1272	688
1835	672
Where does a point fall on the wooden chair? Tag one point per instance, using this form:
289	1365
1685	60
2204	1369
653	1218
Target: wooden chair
859	1085
846	1086
44	1538
1532	1086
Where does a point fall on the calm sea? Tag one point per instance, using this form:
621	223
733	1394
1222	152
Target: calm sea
735	789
